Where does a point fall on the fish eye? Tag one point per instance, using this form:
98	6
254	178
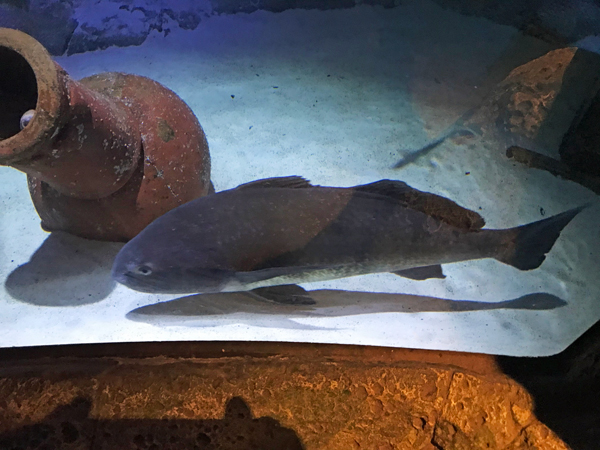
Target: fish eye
143	270
26	118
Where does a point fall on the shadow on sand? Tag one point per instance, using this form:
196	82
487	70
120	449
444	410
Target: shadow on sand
209	310
65	271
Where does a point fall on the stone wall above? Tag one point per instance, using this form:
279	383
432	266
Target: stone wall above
76	26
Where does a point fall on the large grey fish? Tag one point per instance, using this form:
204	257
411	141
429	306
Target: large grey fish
283	231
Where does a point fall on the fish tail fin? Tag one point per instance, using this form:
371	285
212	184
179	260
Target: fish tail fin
528	244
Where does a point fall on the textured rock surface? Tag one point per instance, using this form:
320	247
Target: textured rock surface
536	103
78	26
50	22
84	25
293	400
128	22
565	388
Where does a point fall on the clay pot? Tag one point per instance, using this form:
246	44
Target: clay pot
105	155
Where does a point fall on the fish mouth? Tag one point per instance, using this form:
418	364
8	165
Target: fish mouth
148	285
133	282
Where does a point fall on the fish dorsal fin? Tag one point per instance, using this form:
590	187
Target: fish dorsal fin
292	182
433	205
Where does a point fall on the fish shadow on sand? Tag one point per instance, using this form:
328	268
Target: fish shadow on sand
65	271
209	310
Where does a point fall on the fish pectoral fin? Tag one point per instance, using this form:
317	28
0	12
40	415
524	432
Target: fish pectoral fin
422	273
286	294
433	205
292	182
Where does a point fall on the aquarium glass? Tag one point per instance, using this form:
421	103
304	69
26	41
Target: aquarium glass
480	117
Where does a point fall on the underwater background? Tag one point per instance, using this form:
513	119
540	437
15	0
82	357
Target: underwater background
338	97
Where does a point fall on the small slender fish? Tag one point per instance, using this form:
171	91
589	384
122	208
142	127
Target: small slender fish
26	118
411	157
268	234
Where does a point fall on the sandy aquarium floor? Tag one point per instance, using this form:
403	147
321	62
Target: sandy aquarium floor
337	97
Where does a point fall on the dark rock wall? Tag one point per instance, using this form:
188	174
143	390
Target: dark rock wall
560	21
247	6
129	22
50	22
76	26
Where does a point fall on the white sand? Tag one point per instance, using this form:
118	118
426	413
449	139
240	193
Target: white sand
355	89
